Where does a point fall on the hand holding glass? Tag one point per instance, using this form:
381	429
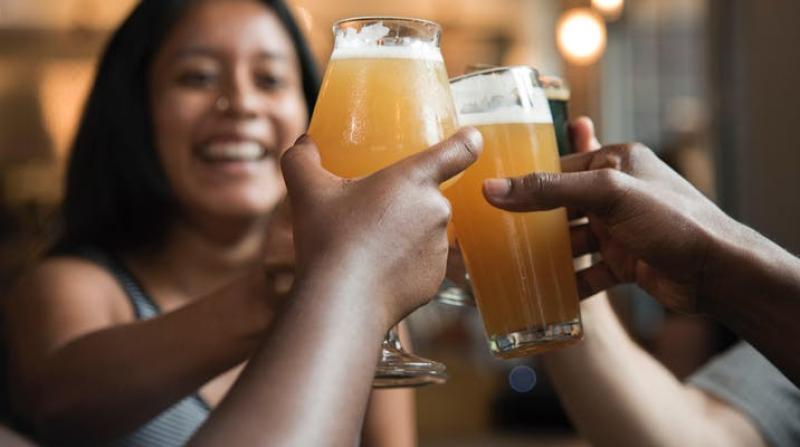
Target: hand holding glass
385	96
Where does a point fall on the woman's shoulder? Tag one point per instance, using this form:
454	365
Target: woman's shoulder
67	273
59	283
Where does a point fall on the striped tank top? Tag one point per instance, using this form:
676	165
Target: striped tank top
175	425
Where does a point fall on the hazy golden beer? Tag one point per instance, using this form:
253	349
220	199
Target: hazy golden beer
385	96
379	104
520	264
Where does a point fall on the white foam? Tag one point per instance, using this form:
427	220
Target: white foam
505	115
370	42
500	97
418	50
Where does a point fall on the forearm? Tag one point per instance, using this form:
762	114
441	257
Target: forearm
105	383
617	394
390	420
309	382
756	293
10	439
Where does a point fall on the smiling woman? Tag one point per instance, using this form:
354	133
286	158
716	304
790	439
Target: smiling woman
137	322
163	71
225	103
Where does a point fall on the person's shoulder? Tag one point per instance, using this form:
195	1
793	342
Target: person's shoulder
68	273
60	282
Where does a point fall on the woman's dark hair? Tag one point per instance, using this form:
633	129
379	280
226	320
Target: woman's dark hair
117	195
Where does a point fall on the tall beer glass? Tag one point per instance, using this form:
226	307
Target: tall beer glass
558	93
520	264
385	96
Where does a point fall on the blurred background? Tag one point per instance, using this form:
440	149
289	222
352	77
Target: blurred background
710	85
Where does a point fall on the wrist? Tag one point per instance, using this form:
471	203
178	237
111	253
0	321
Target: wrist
745	264
346	291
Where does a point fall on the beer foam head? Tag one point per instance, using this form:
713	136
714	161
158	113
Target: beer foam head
500	96
370	42
504	115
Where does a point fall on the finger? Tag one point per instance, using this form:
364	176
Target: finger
577	162
595	279
583	240
582	135
302	168
447	158
595	191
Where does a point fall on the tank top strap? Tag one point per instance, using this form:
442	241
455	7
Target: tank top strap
144	307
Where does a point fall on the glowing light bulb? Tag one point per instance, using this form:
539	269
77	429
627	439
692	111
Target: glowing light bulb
581	36
611	9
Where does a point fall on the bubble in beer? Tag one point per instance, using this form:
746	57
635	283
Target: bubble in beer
522	378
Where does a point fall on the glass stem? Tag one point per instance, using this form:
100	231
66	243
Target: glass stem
392	339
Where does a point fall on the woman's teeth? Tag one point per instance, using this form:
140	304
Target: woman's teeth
233	151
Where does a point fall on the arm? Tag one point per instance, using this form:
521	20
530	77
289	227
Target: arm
642	402
368	252
79	375
310	381
390	419
10	439
756	293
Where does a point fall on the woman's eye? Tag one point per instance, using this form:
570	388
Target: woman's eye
198	79
269	82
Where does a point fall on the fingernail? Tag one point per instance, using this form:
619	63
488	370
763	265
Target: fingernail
497	187
475	138
301	139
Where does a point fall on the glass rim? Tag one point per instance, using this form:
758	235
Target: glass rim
499	68
435	25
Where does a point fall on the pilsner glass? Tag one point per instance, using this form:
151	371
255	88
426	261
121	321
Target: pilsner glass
520	264
385	96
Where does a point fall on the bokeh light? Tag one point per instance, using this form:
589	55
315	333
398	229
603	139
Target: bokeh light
522	378
581	36
611	9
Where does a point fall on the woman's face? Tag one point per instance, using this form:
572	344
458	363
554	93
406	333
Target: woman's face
227	99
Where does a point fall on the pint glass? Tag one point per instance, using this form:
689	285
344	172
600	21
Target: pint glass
558	93
520	264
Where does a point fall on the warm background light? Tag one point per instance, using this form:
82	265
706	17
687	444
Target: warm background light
581	36
305	19
63	89
611	9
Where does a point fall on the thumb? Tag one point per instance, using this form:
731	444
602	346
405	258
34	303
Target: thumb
594	190
302	168
446	159
582	135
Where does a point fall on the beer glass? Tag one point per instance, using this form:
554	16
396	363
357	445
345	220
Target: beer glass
520	264
558	93
385	95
